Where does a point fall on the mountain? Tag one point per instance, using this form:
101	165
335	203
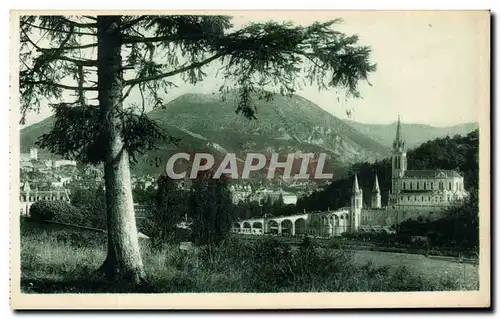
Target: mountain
414	134
30	134
286	124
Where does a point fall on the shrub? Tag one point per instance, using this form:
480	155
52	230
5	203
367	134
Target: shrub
64	212
59	211
43	210
92	206
276	266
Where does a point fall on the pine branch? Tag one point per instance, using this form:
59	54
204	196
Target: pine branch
76	47
134	39
78	62
62	86
175	72
132	22
59	31
53	57
79	24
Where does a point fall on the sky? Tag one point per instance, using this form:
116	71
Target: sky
428	66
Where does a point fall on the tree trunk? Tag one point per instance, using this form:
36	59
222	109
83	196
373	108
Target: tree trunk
123	262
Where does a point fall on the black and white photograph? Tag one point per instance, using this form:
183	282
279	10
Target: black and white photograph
250	154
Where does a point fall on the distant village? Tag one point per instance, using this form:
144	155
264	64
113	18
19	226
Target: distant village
49	178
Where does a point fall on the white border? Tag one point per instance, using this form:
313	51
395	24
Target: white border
147	4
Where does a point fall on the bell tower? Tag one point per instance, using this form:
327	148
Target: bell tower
399	163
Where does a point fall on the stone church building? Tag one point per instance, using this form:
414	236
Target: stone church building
414	193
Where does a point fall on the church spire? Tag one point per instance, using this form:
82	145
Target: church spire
376	188
355	189
398	131
398	141
376	197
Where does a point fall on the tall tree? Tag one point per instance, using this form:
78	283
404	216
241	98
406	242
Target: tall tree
170	208
92	203
212	209
144	54
278	205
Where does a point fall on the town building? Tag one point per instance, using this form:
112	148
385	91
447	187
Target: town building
62	163
31	156
28	197
245	193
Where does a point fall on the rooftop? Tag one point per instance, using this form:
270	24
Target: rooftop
431	173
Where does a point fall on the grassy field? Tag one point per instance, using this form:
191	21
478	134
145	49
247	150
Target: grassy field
463	274
370	246
62	260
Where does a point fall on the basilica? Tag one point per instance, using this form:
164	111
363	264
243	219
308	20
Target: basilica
414	194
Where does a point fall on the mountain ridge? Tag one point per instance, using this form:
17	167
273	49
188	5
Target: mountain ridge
208	122
413	133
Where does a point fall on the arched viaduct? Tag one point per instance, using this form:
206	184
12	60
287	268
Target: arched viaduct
324	223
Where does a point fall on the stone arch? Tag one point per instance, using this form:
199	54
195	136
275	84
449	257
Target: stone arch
257	225
324	227
257	228
324	220
272	226
314	225
336	225
237	227
300	226
335	220
287	227
247	227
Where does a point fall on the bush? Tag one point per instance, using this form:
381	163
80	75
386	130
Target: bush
59	211
276	266
43	210
64	212
92	206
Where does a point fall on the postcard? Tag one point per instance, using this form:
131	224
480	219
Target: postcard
250	159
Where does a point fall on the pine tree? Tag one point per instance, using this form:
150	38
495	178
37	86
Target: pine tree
168	210
143	54
212	208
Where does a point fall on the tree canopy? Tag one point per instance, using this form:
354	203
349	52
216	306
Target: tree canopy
267	58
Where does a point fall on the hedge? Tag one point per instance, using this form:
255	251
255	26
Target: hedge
61	211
